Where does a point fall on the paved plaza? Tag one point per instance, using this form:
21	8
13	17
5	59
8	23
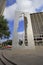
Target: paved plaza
25	57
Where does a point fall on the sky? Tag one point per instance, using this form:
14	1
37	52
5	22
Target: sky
24	5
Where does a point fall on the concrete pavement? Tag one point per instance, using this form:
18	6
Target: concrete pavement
26	57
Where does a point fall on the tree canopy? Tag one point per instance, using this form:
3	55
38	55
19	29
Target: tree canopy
4	29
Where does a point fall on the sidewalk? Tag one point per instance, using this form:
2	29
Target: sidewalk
26	57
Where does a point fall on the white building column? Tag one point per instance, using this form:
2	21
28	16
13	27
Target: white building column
30	37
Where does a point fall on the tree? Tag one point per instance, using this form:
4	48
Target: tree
8	42
4	29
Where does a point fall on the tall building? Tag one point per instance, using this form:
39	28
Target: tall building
2	6
37	26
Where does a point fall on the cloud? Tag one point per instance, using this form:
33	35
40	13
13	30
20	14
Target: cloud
23	5
39	9
37	3
30	6
9	12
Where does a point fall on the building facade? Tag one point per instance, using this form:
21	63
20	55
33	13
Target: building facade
37	26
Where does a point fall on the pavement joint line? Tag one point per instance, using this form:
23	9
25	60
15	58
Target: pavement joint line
2	61
8	60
